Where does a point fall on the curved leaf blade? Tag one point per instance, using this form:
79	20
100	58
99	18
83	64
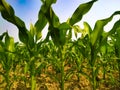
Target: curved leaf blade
80	11
9	15
98	29
40	24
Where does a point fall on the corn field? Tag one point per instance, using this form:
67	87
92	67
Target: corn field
91	62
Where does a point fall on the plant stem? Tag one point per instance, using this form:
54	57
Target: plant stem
7	80
104	72
33	82
62	75
78	77
94	78
119	68
62	50
93	67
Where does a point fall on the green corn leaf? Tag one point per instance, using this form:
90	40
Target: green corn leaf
8	14
96	70
40	24
1	8
1	48
40	68
30	42
54	23
32	30
116	26
7	11
9	42
23	32
20	25
80	11
50	15
18	22
47	5
7	7
26	68
55	35
52	18
11	45
64	27
87	29
117	42
103	49
23	35
59	34
2	36
98	29
48	2
2	45
112	31
76	29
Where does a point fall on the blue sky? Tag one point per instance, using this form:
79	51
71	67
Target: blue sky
27	10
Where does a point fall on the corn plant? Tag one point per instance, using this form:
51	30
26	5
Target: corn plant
88	52
7	57
28	38
116	42
58	32
97	39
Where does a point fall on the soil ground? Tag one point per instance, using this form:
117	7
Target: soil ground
46	83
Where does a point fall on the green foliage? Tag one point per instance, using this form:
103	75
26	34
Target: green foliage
8	14
40	24
98	29
86	56
80	11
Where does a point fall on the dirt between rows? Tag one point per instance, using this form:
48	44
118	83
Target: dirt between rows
45	82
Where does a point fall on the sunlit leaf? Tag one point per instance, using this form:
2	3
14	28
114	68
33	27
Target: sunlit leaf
40	24
64	27
32	30
48	2
8	14
9	42
116	26
1	8
112	31
87	29
7	7
80	11
52	18
103	49
117	42
99	26
1	48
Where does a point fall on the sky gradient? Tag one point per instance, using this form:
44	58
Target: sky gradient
27	10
